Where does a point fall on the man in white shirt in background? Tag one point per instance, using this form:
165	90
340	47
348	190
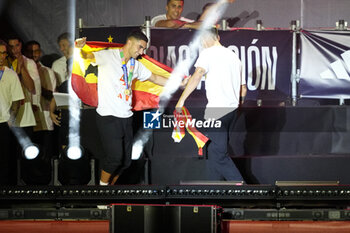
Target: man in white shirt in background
11	94
43	131
62	66
26	70
172	18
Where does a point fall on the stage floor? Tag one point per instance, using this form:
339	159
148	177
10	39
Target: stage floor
15	226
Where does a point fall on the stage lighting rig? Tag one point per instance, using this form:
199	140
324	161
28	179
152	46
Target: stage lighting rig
31	152
74	152
74	167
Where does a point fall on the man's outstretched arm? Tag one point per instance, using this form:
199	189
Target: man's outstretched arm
191	86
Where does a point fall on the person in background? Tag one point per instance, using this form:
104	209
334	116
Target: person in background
43	131
172	18
62	66
11	94
29	76
204	9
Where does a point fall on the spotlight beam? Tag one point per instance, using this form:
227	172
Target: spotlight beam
30	151
74	102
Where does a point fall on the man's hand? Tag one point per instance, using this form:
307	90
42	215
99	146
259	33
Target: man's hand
80	43
56	119
20	64
184	82
179	106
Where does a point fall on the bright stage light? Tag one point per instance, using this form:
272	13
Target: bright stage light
74	166
31	152
74	153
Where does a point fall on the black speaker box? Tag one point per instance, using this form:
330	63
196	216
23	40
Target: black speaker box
163	218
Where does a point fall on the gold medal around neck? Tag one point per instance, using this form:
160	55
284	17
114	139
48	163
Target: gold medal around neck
127	92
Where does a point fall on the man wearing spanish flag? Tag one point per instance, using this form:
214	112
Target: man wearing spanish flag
224	88
116	70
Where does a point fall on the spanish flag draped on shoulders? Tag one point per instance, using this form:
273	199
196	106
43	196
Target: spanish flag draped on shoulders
85	78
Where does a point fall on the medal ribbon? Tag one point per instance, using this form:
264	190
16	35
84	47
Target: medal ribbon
127	78
179	132
1	74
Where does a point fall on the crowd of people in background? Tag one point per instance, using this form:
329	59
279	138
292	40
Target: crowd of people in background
26	95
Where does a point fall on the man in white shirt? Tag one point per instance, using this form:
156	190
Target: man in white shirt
43	134
172	18
27	71
62	66
116	70
11	94
224	88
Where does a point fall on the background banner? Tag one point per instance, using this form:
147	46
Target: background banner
266	61
266	57
325	64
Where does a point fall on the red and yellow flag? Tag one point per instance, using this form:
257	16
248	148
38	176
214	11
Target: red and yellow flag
85	79
179	130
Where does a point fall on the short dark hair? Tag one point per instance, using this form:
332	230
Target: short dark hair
138	35
167	2
65	36
3	43
30	43
13	37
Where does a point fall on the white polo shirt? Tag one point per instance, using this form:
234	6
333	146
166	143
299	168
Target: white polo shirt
223	80
59	66
10	91
112	100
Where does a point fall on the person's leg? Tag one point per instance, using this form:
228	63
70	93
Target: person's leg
111	135
220	165
128	141
5	139
127	147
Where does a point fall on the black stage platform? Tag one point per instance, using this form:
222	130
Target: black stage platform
267	144
237	202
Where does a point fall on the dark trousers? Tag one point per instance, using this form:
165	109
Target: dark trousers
219	164
117	137
7	159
